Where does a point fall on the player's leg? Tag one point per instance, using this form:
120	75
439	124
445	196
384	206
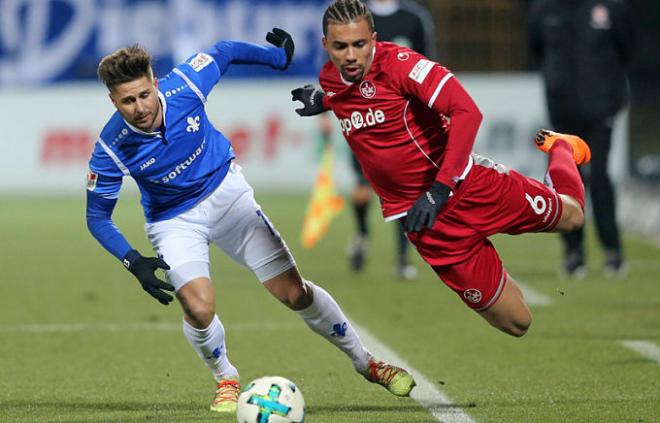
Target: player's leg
183	244
403	270
565	153
603	197
483	284
360	198
509	314
248	237
324	316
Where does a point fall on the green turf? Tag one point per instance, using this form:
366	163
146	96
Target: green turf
570	367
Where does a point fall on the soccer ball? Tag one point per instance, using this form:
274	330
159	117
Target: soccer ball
270	399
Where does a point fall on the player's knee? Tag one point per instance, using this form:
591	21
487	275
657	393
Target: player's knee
572	217
200	313
299	297
519	328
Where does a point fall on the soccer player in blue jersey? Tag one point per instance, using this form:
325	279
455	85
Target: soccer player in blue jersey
193	194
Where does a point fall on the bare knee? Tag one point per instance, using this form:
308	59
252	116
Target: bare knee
197	299
572	216
290	289
199	313
518	327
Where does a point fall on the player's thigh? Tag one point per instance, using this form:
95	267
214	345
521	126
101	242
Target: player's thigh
183	243
509	313
242	230
478	279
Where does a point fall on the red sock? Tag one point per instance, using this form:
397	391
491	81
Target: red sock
562	174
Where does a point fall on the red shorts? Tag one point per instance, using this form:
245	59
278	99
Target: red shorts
490	200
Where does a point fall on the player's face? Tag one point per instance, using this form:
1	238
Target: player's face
137	101
350	47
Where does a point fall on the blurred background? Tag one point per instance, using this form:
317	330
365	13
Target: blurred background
52	108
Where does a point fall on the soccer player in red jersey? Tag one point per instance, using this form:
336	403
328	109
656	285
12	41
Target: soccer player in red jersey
412	125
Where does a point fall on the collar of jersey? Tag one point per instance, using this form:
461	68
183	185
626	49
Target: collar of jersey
373	54
161	97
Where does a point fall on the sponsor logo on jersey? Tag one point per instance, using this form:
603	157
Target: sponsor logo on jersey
91	180
193	124
183	165
472	295
420	70
200	61
147	163
367	89
403	56
357	120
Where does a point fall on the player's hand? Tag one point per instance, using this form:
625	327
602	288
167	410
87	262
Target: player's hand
311	97
282	39
423	213
143	268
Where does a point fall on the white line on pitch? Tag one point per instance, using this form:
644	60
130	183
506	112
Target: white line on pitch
136	327
646	349
532	296
425	393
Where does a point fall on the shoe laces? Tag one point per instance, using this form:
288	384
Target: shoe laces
227	391
381	372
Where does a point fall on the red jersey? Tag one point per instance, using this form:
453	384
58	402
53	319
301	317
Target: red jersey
409	123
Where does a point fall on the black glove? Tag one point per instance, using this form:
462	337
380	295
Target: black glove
311	97
143	269
282	39
423	213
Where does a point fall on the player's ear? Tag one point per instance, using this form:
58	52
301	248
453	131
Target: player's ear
155	83
324	42
112	99
374	36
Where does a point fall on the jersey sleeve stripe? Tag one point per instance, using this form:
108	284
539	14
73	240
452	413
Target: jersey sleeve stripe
191	84
114	157
442	83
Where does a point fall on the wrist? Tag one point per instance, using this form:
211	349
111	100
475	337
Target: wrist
130	258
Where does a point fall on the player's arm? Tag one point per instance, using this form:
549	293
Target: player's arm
102	194
439	89
279	57
204	69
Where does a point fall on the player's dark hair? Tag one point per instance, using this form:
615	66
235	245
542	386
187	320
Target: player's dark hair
347	11
125	65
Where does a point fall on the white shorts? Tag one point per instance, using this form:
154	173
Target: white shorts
229	218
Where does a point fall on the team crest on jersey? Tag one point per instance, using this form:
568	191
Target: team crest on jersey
91	180
200	61
367	89
403	56
472	295
420	70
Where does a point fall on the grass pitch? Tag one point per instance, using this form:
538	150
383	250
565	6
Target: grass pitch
81	342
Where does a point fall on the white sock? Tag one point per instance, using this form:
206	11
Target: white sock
210	345
325	317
